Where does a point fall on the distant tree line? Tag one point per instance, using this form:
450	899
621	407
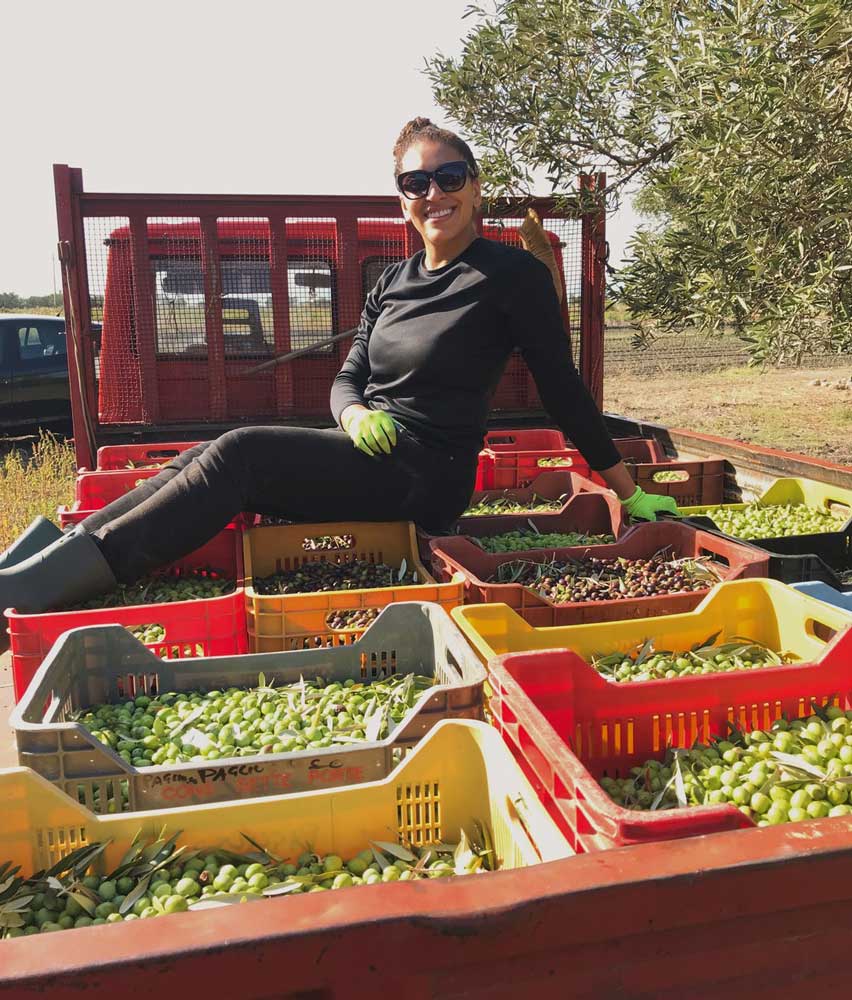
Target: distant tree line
11	300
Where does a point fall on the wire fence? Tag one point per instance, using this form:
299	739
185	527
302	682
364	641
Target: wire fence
688	352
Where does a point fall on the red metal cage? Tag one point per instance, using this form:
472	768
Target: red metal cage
175	301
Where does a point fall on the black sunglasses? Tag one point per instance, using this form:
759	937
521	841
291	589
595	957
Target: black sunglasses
449	177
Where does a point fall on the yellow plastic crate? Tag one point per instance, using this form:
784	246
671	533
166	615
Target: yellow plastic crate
297	621
462	771
792	492
764	610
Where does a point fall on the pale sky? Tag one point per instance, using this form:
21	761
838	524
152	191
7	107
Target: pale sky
243	97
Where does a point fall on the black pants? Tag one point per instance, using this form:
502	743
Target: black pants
298	473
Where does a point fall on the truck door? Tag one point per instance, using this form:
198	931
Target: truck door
8	343
40	389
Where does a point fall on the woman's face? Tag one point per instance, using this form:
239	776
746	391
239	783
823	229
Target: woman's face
442	219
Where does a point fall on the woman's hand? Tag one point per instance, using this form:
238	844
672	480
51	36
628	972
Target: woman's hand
646	506
371	431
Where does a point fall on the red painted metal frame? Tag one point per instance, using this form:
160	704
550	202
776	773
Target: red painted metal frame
74	204
722	915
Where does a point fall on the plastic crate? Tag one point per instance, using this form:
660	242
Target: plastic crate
118	456
553	485
704	482
835	558
90	666
214	626
795	492
93	490
513	467
508	467
819	591
568	727
591	513
459	773
292	621
524	439
763	610
730	560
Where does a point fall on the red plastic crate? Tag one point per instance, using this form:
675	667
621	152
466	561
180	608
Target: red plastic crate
591	513
116	456
568	727
525	439
510	459
731	560
509	470
93	490
211	627
706	479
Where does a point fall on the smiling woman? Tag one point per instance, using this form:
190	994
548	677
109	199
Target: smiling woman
411	402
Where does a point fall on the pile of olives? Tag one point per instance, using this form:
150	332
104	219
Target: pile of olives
646	664
172	728
509	505
757	520
352	619
520	540
550	463
351	574
671	476
164	588
142	888
795	771
569	581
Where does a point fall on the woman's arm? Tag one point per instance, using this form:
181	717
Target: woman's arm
347	390
537	323
536	327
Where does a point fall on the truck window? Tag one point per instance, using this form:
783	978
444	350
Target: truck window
47	340
371	270
246	306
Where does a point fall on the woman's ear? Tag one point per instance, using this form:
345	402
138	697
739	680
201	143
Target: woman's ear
403	204
477	193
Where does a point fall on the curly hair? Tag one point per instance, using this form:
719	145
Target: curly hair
423	128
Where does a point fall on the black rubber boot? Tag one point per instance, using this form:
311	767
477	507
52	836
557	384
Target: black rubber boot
37	537
69	570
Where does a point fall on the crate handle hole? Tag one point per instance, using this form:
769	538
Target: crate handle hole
351	619
671	476
150	634
820	630
328	543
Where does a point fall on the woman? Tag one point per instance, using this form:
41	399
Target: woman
412	397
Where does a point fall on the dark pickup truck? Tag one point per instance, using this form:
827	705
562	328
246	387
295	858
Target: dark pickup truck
33	371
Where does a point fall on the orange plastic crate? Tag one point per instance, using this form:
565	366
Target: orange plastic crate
297	621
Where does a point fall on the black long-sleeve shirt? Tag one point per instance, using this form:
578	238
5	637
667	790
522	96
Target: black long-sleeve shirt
432	346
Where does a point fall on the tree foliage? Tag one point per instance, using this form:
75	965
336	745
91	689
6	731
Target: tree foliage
730	119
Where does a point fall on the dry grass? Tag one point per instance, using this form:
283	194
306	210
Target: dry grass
34	483
778	408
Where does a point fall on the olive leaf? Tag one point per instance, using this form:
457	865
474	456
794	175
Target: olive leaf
395	850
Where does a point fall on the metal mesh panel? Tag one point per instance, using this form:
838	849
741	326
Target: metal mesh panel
174	247
109	264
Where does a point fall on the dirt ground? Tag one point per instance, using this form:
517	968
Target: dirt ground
776	408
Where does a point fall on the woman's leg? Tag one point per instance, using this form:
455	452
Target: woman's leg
146	489
299	473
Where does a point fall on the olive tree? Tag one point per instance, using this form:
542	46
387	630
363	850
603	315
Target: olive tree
729	119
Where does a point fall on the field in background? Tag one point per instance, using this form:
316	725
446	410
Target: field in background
778	408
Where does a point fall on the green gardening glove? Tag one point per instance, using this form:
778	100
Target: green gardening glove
644	506
372	431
